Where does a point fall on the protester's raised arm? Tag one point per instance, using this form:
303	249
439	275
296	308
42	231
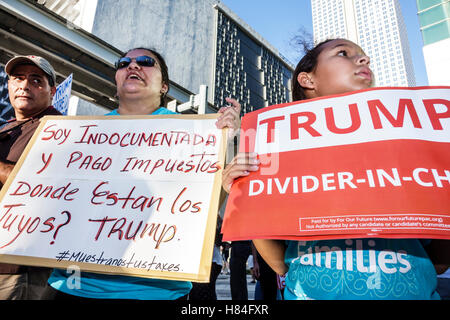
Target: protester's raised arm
230	117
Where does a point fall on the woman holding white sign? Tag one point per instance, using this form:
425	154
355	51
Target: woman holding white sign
370	268
142	83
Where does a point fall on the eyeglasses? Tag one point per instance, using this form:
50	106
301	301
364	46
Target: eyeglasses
143	61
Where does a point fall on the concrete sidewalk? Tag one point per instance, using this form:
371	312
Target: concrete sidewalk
223	287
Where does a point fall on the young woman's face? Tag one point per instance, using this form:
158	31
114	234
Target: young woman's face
142	82
342	66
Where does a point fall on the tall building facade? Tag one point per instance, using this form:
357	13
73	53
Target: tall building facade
434	19
377	26
246	68
203	43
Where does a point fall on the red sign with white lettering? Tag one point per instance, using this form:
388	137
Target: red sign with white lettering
372	163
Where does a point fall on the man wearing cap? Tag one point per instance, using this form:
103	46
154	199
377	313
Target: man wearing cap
31	87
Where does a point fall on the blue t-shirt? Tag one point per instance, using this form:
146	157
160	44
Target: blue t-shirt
103	286
161	110
357	269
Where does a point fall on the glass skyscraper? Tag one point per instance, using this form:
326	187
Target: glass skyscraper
434	19
377	26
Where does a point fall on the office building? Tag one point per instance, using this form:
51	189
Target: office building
203	42
377	26
434	19
248	69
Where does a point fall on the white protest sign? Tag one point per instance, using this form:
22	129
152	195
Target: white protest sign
126	195
62	96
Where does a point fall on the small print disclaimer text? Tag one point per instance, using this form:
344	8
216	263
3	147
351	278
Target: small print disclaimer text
378	222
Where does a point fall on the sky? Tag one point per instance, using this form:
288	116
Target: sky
278	21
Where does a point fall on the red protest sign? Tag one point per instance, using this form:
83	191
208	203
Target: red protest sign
372	163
